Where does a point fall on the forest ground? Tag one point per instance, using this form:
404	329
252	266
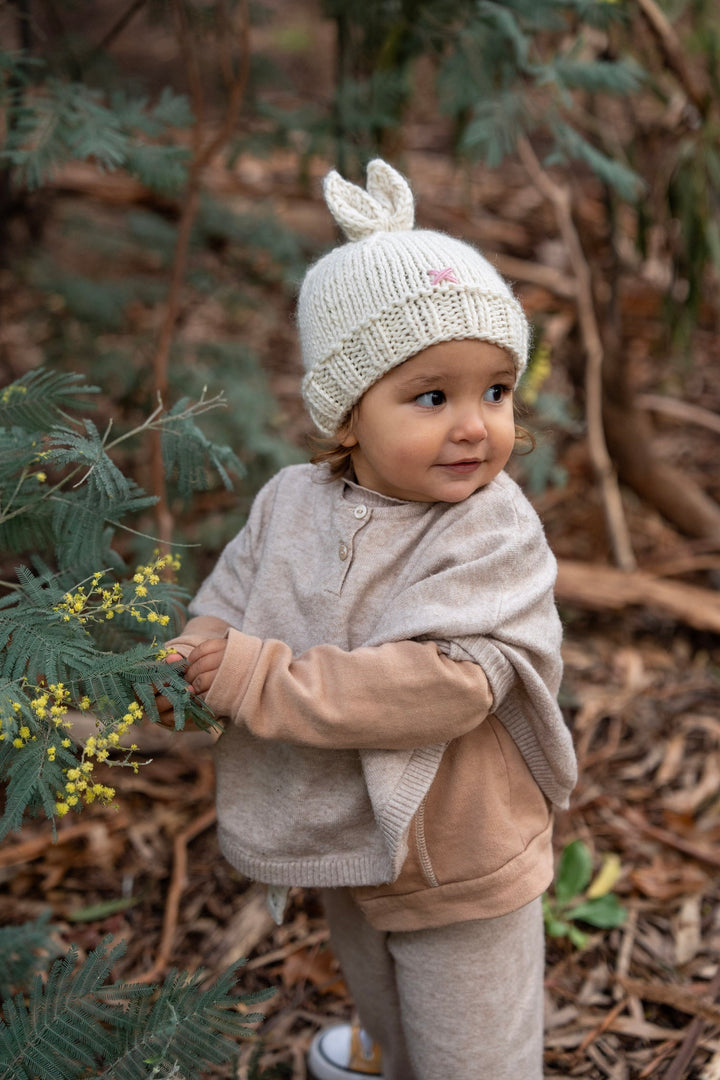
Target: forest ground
641	693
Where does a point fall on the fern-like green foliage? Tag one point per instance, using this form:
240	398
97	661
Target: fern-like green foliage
514	69
57	477
24	951
41	398
189	457
77	630
504	70
77	1023
55	120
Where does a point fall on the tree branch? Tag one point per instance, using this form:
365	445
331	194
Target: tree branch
604	588
201	156
560	198
672	50
115	30
178	883
682	411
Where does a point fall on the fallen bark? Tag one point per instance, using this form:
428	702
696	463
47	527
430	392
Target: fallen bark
682	998
603	588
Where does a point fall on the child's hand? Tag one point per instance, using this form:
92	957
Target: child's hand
203	664
164	707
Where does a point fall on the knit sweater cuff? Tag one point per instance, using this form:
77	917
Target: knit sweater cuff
498	670
233	676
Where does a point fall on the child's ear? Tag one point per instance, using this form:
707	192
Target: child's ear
345	435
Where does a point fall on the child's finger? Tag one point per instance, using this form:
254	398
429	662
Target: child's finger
207	648
204	660
202	672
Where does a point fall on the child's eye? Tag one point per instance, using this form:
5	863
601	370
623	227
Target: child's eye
496	393
431	399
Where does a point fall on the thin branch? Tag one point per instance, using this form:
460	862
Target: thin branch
116	29
634	821
5	513
236	89
178	882
14	854
683	1059
677	997
674	55
201	155
59	37
604	588
122	527
560	198
679	410
154	423
47	493
547	277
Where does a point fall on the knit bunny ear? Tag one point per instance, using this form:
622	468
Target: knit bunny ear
386	206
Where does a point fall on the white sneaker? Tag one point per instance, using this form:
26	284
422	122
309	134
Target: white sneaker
343	1051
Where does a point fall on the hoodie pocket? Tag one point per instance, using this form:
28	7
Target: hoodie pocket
421	844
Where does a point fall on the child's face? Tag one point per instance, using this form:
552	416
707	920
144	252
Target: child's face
439	426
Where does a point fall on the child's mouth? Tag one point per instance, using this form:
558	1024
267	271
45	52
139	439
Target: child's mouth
465	466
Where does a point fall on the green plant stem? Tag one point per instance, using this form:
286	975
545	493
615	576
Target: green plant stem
154	422
21	480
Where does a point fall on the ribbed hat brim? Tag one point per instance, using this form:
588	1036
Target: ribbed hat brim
390	338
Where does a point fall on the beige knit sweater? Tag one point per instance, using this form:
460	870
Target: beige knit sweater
366	634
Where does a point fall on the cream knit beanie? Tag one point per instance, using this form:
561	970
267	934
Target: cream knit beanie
393	290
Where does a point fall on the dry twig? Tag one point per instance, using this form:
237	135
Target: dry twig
677	997
636	821
37	846
174	895
675	55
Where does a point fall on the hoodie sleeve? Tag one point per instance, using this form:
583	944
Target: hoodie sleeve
400	695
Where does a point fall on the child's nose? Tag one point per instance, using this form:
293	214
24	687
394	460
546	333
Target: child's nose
469	425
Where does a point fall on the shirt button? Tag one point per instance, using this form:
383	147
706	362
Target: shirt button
343	550
360	511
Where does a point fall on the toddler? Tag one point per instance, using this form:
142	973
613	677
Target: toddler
382	640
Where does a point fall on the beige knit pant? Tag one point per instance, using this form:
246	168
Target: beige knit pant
463	1002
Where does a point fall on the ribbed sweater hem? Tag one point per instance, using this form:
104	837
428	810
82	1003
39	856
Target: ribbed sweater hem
394	819
332	871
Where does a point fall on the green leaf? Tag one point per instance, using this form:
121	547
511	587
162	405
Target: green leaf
24	950
604	912
571	145
38	400
101	910
578	938
598	76
557	927
574	871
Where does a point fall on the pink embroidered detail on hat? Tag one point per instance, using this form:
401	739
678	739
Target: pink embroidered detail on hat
446	274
